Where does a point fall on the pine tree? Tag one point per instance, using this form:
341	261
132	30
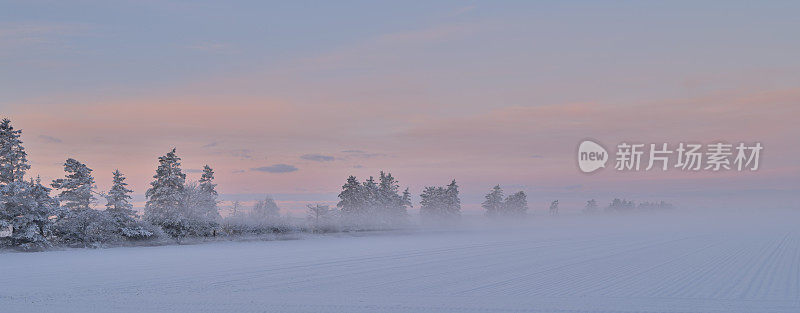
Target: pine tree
26	206
121	212
81	225
591	206
351	200
440	204
13	159
77	187
371	198
390	203
166	197
494	202
516	204
453	202
118	198
207	202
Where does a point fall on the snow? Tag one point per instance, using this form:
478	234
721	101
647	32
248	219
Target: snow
739	262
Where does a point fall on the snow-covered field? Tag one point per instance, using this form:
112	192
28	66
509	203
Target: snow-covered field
642	263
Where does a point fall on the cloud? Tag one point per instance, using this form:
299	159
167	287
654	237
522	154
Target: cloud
317	157
49	139
211	145
276	168
211	47
358	166
192	170
363	154
463	10
242	153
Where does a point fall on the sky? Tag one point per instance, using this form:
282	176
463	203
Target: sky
289	98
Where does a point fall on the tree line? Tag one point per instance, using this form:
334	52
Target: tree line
32	219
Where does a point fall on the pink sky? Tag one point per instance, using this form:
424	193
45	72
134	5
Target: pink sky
481	94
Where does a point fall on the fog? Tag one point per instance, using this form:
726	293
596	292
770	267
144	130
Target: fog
737	260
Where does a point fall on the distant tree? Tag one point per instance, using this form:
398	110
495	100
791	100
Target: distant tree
440	203
452	200
371	198
265	211
320	216
351	199
591	206
655	206
166	197
554	208
620	205
391	205
494	202
516	204
207	197
235	208
77	187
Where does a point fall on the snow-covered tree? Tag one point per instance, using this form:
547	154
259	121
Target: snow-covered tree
118	198
207	200
391	205
374	204
26	206
265	211
440	203
77	187
516	204
86	228
166	197
81	225
201	212
121	212
351	199
13	159
494	202
321	217
371	196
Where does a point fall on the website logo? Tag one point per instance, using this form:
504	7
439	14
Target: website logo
591	156
689	157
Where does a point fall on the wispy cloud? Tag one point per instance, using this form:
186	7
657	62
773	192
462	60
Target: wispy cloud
49	139
193	170
217	47
463	10
363	154
317	157
242	153
27	34
276	168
